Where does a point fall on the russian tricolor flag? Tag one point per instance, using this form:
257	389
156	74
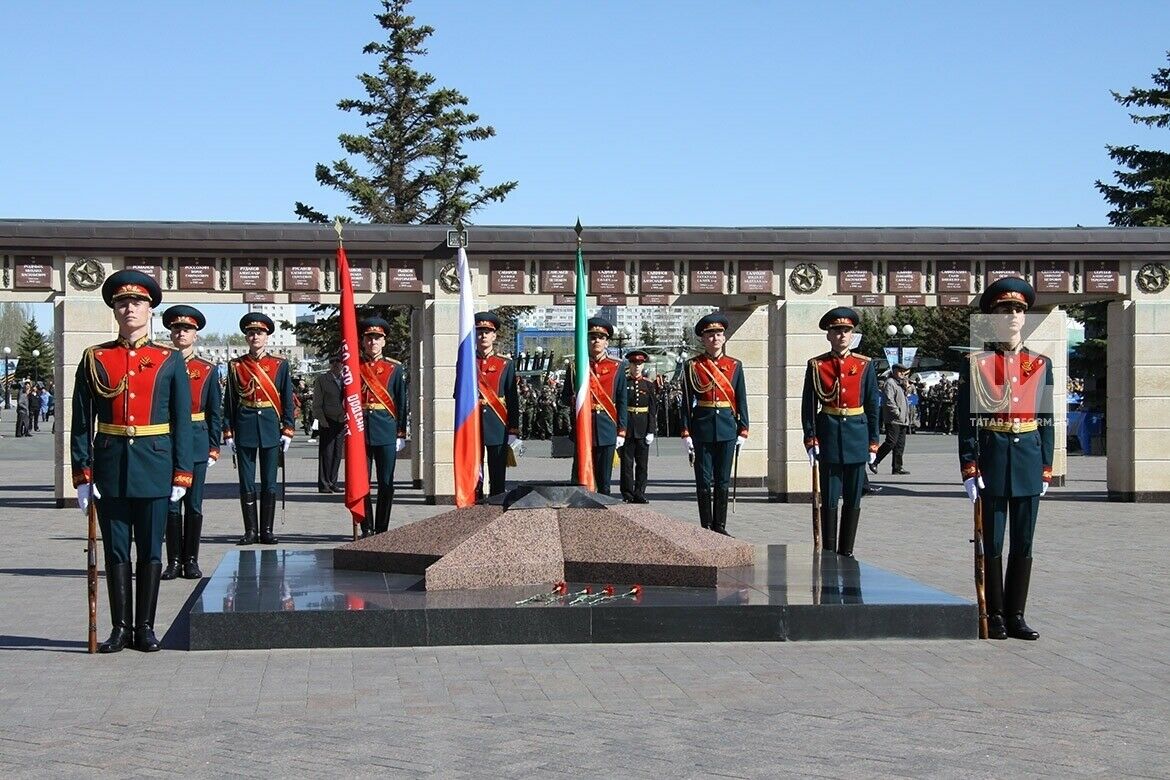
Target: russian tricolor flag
468	435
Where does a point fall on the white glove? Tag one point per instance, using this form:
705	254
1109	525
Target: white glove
285	441
230	445
1043	488
649	438
973	485
739	441
872	458
177	493
399	444
814	452
512	439
211	462
84	494
689	444
619	441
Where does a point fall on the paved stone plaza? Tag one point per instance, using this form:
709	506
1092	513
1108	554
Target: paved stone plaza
1092	697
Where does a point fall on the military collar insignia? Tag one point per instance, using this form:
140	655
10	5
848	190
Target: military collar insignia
123	342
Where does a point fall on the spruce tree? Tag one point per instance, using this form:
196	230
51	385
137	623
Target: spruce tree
1141	196
41	367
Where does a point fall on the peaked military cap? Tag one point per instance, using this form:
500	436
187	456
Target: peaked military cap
485	320
1010	289
131	284
714	321
184	315
374	325
637	356
840	317
600	325
255	319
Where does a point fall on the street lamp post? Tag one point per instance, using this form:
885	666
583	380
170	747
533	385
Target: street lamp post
906	332
7	389
36	353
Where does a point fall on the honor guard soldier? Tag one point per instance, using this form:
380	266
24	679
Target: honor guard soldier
714	419
641	420
258	423
136	460
607	390
386	405
499	401
1005	449
185	518
839	412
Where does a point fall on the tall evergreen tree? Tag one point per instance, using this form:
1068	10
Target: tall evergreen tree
1141	196
13	319
412	168
41	367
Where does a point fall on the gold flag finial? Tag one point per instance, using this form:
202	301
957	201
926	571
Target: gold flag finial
337	228
578	230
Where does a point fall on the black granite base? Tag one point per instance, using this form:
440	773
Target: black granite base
259	599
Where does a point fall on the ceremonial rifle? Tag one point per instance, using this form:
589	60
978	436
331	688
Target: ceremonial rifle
816	505
980	568
91	574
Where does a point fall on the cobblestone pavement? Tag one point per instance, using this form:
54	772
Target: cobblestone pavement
1090	698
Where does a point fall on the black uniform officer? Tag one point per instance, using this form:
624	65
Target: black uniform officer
641	418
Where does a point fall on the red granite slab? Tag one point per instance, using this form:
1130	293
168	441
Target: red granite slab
411	548
517	548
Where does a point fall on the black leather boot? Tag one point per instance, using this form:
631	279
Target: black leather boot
191	533
368	521
850	515
704	508
248	505
1019	576
119	588
267	517
147	600
719	518
174	541
993	595
829	528
382	518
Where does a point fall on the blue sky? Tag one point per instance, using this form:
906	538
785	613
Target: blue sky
652	113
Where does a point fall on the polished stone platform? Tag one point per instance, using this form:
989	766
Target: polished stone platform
258	599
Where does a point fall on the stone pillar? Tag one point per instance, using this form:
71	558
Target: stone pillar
794	336
749	344
1049	335
418	349
1138	401
79	322
440	331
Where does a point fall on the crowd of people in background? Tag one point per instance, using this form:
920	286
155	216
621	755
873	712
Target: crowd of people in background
31	404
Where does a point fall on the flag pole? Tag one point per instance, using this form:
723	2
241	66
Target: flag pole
357	474
583	427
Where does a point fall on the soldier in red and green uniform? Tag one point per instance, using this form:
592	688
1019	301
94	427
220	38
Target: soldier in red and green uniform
714	419
130	447
839	412
258	423
499	402
607	389
387	405
183	532
1006	446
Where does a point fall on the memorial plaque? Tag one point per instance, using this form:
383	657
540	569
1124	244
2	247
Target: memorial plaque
259	297
1101	276
404	276
606	277
611	300
953	276
361	274
304	297
506	276
561	299
1002	269
249	274
869	300
33	273
557	276
656	276
302	273
654	300
911	300
197	273
954	299
1051	276
903	276
855	276
151	266
755	276
707	276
